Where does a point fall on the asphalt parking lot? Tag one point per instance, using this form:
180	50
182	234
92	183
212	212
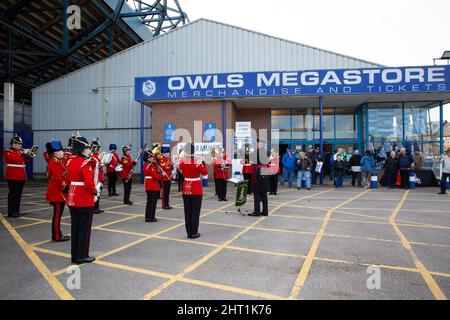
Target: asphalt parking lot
317	244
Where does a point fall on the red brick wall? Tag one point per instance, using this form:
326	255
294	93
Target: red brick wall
260	118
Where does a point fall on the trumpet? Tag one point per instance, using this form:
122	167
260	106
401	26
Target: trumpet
29	153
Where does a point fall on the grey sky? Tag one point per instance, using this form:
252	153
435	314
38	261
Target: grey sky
389	32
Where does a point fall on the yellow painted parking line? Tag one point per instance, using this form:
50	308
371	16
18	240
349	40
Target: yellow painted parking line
190	281
52	252
247	292
428	278
306	267
152	235
37	262
29	224
214	252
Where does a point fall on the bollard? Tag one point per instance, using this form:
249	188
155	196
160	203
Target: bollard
412	180
205	180
374	181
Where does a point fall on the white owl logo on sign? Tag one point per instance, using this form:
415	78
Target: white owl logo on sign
149	88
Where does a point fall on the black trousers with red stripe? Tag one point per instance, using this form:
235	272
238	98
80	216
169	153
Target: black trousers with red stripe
221	188
165	193
192	208
150	209
248	177
81	231
58	209
112	180
15	188
127	190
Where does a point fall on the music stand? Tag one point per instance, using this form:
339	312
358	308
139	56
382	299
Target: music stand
241	196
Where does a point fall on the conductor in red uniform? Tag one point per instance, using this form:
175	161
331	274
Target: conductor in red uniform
111	170
221	166
80	199
127	174
15	159
95	147
192	190
152	178
166	165
57	185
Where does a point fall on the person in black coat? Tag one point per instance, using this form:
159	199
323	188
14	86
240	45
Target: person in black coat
390	169
405	160
355	163
339	171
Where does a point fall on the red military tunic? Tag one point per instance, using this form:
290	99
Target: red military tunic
57	180
15	165
80	176
113	164
220	173
192	184
152	177
246	167
127	166
165	163
101	174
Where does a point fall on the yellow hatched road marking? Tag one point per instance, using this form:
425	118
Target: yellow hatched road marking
431	283
37	262
306	267
218	249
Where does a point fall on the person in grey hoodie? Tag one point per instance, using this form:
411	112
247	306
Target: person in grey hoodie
445	160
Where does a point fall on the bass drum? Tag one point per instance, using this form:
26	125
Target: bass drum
119	168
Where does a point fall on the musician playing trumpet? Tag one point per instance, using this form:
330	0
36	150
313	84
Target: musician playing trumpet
96	154
166	165
128	165
222	166
16	160
153	176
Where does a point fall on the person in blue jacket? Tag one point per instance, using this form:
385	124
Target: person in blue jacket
288	160
367	164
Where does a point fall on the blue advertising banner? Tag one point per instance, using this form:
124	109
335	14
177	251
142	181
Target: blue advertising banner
169	129
210	131
295	83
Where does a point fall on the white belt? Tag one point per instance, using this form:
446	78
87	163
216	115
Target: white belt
247	165
148	177
76	183
191	179
15	165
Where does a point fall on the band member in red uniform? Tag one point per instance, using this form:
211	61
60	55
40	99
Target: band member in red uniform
127	174
57	185
111	171
260	182
274	171
166	165
247	169
95	148
80	199
192	190
15	159
68	153
152	178
221	166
